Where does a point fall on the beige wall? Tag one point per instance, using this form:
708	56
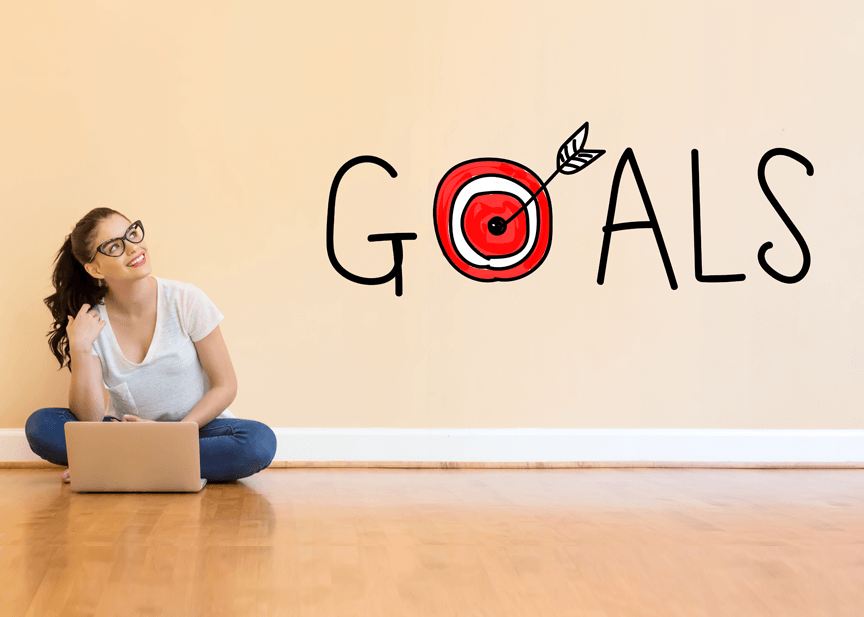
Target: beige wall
221	125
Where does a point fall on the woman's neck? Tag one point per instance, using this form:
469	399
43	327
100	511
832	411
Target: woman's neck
132	299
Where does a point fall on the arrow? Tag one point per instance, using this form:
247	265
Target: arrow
572	158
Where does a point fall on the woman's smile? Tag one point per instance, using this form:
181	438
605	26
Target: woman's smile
142	259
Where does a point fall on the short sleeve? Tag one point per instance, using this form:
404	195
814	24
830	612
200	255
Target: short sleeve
200	315
93	347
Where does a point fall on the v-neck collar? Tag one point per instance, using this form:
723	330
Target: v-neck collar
153	342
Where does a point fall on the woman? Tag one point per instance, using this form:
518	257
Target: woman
161	358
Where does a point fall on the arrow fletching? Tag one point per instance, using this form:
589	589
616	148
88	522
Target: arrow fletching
572	157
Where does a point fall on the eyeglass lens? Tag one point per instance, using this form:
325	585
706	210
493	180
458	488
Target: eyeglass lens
136	234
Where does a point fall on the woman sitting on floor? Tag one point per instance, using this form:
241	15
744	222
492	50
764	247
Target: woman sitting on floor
161	357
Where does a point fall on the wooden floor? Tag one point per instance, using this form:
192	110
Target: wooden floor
400	542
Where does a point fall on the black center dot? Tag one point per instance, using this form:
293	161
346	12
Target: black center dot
497	226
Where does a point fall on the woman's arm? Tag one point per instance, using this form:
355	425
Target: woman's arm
213	354
86	394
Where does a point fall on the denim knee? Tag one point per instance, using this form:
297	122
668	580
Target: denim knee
45	435
264	444
41	421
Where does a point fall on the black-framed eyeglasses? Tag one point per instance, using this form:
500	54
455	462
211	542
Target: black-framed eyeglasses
117	246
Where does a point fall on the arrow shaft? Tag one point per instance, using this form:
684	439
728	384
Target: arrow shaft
533	197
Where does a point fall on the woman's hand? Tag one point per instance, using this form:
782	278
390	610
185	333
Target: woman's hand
83	329
128	417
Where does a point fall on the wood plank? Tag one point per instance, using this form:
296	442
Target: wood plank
591	542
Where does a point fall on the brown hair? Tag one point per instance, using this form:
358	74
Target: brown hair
75	286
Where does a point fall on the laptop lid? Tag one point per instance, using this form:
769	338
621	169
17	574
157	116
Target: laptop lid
133	456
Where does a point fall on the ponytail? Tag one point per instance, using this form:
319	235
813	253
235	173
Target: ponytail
74	286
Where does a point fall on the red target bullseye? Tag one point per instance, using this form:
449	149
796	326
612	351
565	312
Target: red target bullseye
475	196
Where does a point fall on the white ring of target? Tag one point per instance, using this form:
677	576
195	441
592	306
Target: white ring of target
491	184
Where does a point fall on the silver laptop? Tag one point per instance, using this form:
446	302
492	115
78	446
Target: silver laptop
152	457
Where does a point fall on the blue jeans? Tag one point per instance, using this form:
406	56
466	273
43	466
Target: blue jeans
231	448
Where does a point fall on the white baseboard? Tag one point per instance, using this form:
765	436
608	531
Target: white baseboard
532	445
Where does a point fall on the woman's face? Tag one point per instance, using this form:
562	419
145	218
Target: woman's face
118	268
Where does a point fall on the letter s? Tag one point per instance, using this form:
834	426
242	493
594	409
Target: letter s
785	217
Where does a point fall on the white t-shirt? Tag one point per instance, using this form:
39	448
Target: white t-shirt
170	380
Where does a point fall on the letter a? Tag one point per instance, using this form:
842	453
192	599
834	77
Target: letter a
650	223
